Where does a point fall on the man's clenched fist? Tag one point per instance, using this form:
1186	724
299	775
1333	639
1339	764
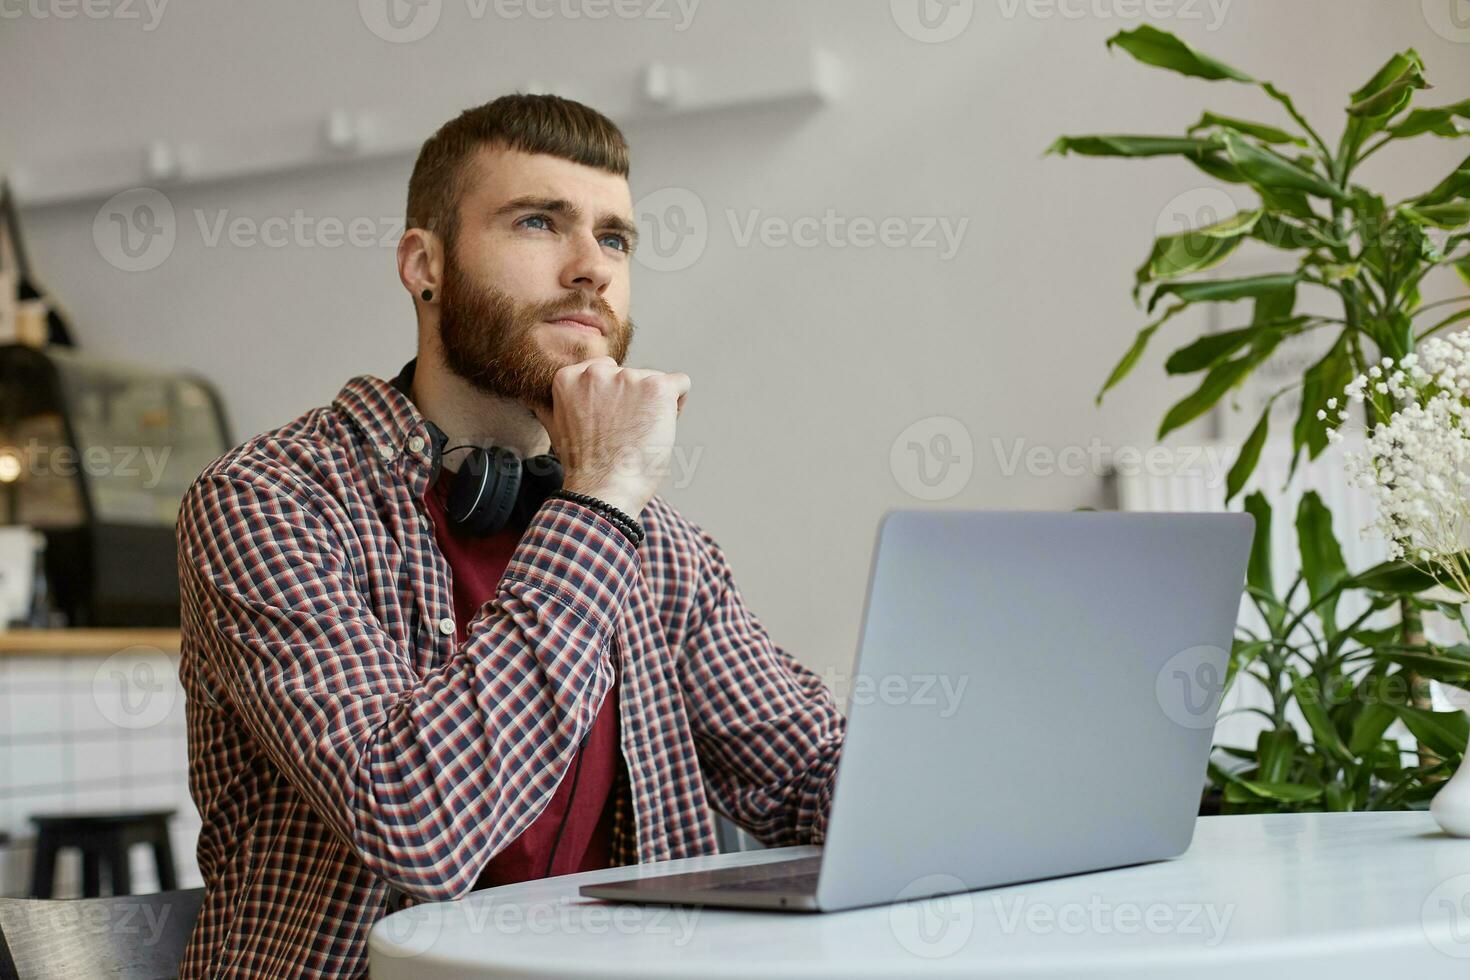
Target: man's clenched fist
613	428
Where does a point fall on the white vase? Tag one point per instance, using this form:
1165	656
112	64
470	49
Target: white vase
1451	805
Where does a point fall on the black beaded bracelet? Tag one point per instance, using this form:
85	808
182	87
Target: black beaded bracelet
630	527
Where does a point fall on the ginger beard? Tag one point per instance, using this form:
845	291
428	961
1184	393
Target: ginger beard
490	341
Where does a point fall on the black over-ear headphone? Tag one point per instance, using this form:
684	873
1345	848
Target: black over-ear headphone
494	487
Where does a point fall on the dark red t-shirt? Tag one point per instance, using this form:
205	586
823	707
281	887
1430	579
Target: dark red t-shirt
584	796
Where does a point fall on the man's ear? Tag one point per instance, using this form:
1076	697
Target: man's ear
420	262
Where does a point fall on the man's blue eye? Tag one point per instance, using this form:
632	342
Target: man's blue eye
620	242
537	217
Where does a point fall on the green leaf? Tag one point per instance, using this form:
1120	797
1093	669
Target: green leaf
1220	379
1281	792
1258	571
1274	751
1450	214
1308	695
1213	348
1277	232
1218	167
1442	732
1457	184
1369	727
1195	250
1275	305
1218	290
1381	98
1268	134
1322	566
1323	380
1446	669
1270	170
1163	50
1250	455
1439	120
1132	146
1135	351
1393	576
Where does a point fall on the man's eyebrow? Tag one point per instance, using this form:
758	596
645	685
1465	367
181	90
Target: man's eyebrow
560	205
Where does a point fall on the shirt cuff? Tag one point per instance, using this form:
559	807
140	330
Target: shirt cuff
577	553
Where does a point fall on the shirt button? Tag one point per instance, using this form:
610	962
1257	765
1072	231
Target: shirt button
385	453
446	626
416	444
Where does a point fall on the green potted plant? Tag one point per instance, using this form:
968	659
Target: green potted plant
1349	679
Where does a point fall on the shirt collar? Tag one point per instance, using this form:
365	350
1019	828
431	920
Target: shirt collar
398	436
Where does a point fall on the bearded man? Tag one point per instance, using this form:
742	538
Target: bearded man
443	633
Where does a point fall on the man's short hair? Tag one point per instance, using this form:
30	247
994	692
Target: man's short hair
530	123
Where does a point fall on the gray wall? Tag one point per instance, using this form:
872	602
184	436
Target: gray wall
808	362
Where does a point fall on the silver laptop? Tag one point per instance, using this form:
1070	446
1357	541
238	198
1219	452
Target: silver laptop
1034	696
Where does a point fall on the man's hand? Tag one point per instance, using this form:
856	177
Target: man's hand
613	428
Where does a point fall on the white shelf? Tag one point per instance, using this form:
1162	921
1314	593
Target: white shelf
800	74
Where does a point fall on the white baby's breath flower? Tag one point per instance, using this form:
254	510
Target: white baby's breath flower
1415	459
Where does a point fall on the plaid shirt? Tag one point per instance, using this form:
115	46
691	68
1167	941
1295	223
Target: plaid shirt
344	752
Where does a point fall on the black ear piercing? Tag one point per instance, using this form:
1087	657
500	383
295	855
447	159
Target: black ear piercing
427	294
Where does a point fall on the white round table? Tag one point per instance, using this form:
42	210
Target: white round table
1345	895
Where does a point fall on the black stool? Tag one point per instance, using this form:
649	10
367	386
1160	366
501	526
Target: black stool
103	839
